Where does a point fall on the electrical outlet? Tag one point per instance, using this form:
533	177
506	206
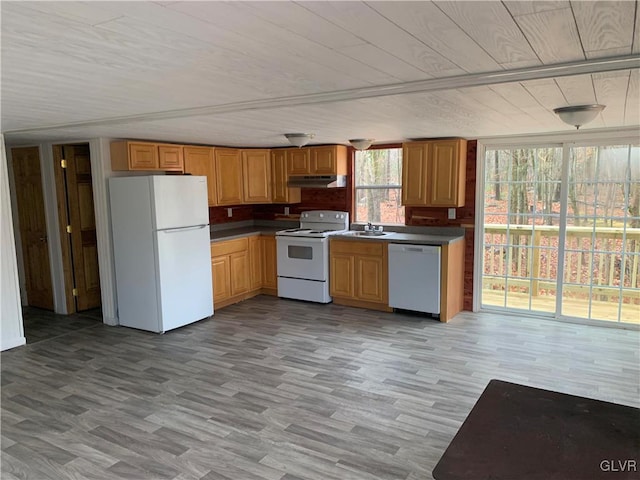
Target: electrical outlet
286	210
451	214
229	212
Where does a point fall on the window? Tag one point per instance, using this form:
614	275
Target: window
378	178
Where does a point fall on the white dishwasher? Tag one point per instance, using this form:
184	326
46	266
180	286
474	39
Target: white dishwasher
414	277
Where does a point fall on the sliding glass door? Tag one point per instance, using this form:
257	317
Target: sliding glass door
561	231
602	243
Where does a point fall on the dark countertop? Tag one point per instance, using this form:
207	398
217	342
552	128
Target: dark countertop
393	237
409	238
241	232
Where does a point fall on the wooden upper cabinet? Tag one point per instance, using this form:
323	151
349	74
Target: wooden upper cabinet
200	161
434	173
280	193
329	160
414	173
447	173
256	176
170	158
299	160
134	156
143	156
228	173
147	156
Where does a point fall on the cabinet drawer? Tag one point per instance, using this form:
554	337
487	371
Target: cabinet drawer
367	247
230	246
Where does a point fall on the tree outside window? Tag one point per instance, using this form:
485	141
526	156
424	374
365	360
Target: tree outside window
378	179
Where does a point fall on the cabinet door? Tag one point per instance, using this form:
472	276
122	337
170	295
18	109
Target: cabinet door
199	161
299	161
239	272
228	176
255	260
323	161
269	263
444	174
414	173
143	156
256	175
370	279
341	277
221	276
170	157
280	193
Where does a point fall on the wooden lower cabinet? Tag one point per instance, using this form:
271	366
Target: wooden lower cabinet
239	262
221	277
255	262
269	265
451	280
359	273
342	280
243	268
371	271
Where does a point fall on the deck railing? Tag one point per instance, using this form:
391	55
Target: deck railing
602	263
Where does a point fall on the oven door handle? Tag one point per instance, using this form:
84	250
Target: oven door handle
300	240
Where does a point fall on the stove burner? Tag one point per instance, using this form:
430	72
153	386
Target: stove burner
298	230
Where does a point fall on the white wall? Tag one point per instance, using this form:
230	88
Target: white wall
100	173
16	229
11	328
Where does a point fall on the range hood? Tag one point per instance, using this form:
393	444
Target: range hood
318	181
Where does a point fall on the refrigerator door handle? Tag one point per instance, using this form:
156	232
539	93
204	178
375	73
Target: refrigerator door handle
183	229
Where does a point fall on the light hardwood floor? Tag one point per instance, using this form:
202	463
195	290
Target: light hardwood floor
277	389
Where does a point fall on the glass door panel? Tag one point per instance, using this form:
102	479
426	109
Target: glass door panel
522	209
603	234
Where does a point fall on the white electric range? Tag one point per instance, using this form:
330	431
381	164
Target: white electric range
303	255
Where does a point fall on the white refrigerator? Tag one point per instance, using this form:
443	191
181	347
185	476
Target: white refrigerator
161	247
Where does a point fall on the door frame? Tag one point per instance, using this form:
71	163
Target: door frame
564	140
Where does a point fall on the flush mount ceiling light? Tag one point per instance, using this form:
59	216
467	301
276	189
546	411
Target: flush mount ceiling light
361	143
578	115
299	139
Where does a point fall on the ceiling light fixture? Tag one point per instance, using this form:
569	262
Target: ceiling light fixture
361	143
299	139
578	115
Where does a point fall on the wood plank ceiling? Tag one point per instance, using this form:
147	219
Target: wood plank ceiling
74	70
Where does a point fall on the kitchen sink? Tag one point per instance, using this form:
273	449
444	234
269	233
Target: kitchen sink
361	233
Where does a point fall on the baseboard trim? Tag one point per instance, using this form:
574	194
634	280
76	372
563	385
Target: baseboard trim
381	307
8	343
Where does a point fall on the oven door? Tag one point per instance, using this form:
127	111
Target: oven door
306	258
